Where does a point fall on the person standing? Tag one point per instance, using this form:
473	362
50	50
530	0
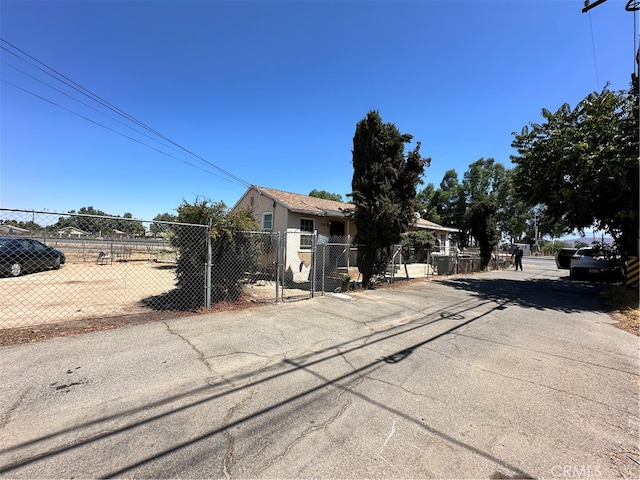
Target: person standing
517	257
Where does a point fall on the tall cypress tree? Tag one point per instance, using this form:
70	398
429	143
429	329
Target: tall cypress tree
383	190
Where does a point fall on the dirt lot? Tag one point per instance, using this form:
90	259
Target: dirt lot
83	291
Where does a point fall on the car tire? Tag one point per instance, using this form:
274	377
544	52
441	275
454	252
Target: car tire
15	269
573	274
56	263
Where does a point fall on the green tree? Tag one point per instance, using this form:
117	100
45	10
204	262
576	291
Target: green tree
480	183
482	179
581	164
512	215
85	219
383	190
233	251
482	224
428	201
130	226
157	228
30	225
453	204
325	195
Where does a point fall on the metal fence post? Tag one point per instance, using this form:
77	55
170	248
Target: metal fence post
314	246
278	251
207	270
324	268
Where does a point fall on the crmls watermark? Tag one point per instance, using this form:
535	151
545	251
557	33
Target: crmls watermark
576	471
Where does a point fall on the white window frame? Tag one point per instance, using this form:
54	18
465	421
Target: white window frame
306	240
264	217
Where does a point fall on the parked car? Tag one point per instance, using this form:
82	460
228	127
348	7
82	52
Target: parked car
19	255
590	261
563	257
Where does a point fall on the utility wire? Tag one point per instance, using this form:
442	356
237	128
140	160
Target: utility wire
595	60
111	129
82	103
79	88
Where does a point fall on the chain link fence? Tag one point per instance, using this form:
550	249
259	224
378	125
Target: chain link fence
58	267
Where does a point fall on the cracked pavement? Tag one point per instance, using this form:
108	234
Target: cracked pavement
495	375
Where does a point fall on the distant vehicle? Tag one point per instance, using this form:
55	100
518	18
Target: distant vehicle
590	261
20	255
563	257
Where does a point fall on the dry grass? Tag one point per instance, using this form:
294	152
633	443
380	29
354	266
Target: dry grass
622	304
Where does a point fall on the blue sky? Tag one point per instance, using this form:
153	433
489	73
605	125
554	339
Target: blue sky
271	91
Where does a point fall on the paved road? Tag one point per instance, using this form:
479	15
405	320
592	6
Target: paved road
497	375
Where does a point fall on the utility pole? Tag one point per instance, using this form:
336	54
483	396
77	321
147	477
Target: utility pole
535	231
588	6
632	6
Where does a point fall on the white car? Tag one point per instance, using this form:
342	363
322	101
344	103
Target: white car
590	261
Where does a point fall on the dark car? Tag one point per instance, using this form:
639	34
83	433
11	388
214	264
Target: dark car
563	257
19	255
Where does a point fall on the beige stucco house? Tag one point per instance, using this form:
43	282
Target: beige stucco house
72	232
280	211
442	234
297	217
7	229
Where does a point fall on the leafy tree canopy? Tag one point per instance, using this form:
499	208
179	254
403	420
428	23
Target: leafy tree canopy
30	225
581	165
485	182
325	195
157	228
483	227
87	219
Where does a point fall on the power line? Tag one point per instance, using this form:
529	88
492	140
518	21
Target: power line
81	103
595	60
79	88
110	129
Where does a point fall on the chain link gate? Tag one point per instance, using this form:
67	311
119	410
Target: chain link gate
336	264
254	256
298	266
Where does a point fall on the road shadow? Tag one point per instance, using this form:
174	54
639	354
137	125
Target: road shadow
455	317
562	295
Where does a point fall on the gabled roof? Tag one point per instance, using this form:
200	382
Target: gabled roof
423	224
305	204
8	227
74	230
320	207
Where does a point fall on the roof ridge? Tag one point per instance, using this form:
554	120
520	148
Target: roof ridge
304	197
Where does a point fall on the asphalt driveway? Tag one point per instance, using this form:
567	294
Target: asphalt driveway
497	375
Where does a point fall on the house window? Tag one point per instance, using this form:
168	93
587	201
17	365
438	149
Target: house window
267	221
251	202
306	239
